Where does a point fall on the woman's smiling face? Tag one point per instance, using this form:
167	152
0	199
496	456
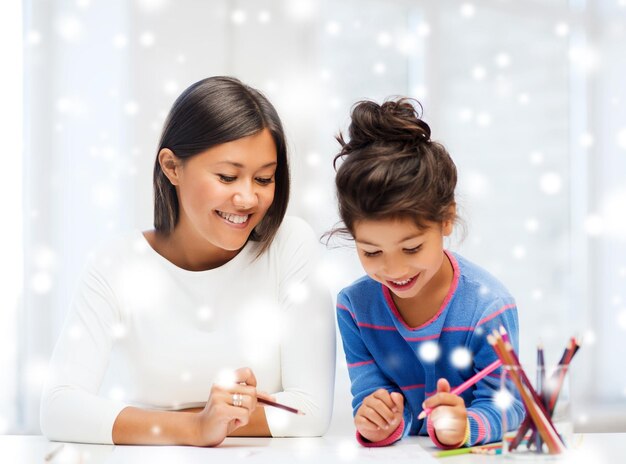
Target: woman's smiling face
225	191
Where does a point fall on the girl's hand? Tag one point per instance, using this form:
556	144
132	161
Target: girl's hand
449	416
228	408
379	415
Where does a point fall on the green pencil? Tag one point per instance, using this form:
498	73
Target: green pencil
452	452
474	449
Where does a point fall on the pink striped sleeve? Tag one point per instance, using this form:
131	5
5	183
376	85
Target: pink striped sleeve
391	439
482	430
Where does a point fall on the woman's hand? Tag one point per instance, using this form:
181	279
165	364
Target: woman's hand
228	408
448	416
379	415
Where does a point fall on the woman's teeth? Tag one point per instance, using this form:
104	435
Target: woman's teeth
234	218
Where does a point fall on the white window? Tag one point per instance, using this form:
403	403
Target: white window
11	268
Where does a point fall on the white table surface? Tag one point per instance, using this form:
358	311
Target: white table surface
18	449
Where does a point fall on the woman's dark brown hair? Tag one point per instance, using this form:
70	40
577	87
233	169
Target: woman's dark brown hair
210	112
391	169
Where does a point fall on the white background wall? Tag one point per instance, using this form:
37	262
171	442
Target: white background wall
527	95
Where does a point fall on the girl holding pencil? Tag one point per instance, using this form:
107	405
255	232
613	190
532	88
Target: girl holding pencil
415	325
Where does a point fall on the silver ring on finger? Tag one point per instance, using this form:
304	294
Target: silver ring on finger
237	400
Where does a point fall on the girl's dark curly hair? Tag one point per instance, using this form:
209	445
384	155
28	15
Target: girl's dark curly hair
391	168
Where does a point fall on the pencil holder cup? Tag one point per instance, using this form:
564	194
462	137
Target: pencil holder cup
547	429
558	387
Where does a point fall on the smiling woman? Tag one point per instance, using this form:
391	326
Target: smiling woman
222	281
239	118
225	193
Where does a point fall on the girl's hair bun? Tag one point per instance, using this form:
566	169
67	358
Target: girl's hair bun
391	168
395	121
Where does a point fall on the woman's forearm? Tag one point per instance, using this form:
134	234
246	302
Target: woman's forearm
135	426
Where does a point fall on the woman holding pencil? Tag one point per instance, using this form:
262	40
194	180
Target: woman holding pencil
175	332
415	326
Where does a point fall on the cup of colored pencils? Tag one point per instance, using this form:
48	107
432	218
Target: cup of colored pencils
544	391
558	384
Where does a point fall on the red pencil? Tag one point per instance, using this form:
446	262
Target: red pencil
279	406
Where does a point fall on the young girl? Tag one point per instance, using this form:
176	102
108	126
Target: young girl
415	326
221	284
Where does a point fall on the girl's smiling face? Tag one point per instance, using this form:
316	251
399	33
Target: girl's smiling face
399	255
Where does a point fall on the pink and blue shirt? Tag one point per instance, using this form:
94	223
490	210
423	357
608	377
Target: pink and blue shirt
382	351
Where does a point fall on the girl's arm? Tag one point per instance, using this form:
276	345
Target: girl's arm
484	418
365	375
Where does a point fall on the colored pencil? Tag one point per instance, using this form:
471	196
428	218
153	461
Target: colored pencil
566	358
508	348
468	383
529	397
541	418
481	449
452	452
540	390
280	406
537	400
541	371
487	451
560	374
51	455
535	438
